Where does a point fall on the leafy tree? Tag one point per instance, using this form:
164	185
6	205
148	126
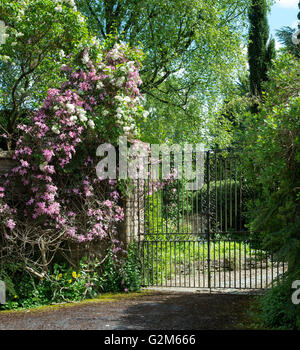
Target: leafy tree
41	37
261	50
272	159
193	49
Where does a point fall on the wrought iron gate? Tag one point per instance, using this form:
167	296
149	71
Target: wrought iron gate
199	238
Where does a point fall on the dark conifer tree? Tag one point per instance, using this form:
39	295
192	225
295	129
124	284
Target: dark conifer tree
261	50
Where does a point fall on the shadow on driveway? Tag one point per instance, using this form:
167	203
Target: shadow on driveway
157	311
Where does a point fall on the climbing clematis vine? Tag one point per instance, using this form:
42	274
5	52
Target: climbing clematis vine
63	198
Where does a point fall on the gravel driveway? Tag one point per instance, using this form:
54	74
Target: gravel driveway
160	310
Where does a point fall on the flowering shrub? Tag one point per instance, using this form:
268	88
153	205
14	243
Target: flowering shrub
40	36
63	198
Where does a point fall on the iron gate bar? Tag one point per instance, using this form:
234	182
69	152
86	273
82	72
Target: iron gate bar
203	242
208	216
225	188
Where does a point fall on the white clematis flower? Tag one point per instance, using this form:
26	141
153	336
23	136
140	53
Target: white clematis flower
73	118
81	114
55	129
70	108
120	82
91	124
119	98
127	99
100	85
83	118
86	58
115	55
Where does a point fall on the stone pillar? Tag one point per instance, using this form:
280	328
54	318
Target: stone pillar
2	292
132	228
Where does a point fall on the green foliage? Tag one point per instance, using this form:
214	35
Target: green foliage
131	272
124	276
193	50
271	165
7	273
272	161
66	284
277	308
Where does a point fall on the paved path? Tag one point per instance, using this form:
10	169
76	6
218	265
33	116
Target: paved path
157	311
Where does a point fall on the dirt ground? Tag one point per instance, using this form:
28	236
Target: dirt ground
160	310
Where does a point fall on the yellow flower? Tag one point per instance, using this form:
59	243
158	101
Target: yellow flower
70	281
79	275
74	274
15	296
